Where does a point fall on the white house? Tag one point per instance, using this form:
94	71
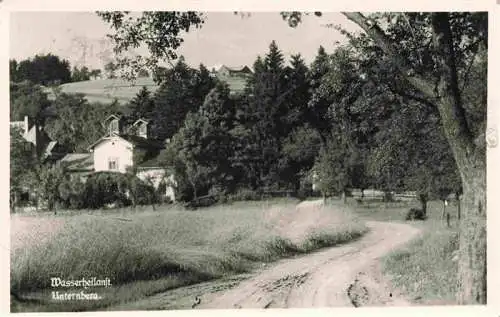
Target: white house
129	147
113	153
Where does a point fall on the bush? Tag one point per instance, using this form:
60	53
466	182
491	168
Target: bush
219	193
106	188
72	194
165	200
415	214
303	192
116	189
204	201
143	194
245	194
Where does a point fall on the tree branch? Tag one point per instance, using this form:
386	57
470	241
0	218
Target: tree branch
381	39
447	98
467	72
450	103
405	93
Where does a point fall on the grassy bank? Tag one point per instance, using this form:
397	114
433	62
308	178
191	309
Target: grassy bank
147	252
424	269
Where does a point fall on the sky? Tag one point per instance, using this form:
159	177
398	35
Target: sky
225	38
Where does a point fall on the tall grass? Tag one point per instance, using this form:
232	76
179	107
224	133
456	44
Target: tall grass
426	268
185	246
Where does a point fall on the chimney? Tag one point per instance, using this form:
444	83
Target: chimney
141	128
115	126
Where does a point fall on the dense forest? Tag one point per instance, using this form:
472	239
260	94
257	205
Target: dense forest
291	119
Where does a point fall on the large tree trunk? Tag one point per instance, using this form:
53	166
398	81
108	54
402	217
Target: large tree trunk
471	162
472	260
470	159
195	192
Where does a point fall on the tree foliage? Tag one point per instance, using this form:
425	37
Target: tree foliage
77	123
160	31
22	161
81	74
42	70
183	91
110	70
432	62
27	99
142	105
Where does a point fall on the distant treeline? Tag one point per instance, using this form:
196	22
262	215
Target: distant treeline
48	69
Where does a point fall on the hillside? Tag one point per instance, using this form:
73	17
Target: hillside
106	90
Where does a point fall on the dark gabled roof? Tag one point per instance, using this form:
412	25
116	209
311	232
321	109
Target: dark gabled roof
141	120
78	162
113	116
134	140
142	142
151	163
236	70
154	163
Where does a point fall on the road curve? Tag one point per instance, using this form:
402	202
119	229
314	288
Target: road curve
333	277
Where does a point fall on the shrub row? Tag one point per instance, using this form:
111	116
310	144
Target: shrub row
107	189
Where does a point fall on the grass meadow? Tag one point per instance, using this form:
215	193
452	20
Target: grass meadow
144	252
425	269
107	90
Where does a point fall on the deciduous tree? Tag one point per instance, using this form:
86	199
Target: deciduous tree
27	99
44	70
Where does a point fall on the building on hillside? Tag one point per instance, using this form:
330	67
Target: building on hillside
236	78
124	148
45	148
226	71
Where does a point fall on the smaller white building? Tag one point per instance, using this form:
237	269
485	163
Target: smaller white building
156	176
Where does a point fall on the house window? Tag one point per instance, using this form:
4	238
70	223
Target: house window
113	164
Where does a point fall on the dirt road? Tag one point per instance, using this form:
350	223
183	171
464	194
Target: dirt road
340	276
347	275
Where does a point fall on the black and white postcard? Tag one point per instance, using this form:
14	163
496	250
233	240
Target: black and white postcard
180	159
